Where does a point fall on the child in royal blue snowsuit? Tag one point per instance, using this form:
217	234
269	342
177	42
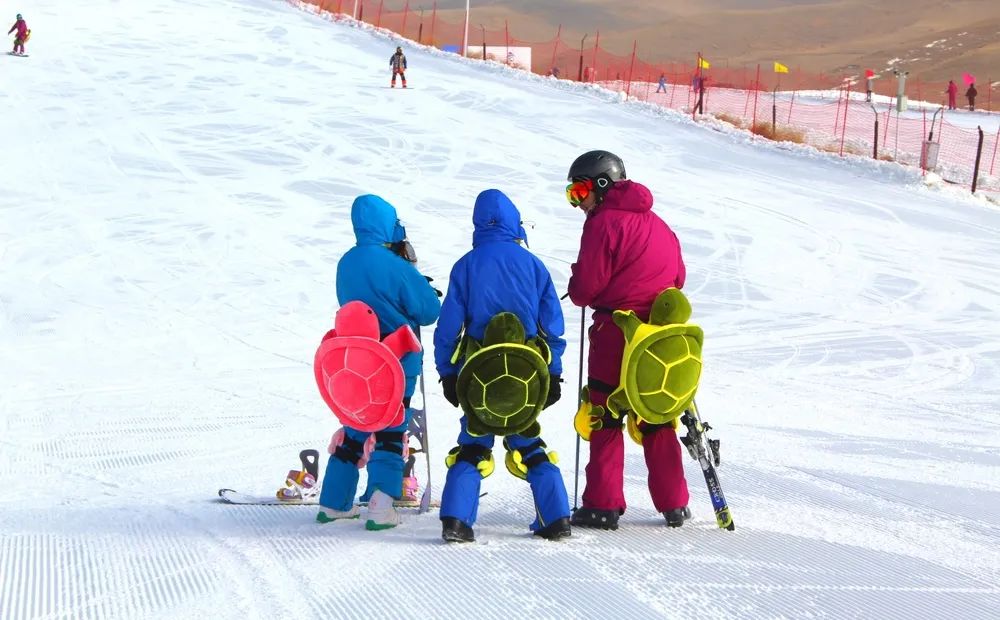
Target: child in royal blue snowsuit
498	275
374	273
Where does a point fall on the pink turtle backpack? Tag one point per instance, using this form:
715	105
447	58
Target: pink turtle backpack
359	377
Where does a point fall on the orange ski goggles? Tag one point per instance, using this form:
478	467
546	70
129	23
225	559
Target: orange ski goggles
577	191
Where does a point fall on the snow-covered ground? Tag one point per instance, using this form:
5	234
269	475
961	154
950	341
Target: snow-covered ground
177	180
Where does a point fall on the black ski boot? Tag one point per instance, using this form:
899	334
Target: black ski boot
595	518
559	528
677	516
453	530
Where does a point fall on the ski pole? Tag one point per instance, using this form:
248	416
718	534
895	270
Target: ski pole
579	402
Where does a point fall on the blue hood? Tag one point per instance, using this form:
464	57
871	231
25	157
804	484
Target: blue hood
375	221
496	219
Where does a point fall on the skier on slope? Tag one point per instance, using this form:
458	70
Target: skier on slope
378	271
22	34
499	276
628	256
398	63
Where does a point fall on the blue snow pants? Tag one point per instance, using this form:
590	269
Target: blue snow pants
385	466
460	498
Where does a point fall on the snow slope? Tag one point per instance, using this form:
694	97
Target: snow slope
177	181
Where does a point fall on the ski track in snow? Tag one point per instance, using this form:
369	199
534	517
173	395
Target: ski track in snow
177	195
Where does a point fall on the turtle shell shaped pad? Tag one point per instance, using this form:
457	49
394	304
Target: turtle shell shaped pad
502	387
661	369
360	378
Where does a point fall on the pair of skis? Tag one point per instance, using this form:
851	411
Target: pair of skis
309	495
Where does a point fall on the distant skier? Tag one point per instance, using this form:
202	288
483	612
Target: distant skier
377	272
952	95
628	256
497	279
971	96
661	86
22	35
398	63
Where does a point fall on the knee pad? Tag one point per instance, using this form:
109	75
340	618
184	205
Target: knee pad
639	428
478	456
519	461
590	417
349	450
391	441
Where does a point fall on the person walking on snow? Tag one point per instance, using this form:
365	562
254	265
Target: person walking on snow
628	256
22	34
952	95
971	96
499	276
375	272
398	63
661	86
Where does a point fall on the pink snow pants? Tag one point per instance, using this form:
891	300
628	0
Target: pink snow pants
604	489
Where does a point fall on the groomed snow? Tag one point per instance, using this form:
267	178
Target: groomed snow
177	181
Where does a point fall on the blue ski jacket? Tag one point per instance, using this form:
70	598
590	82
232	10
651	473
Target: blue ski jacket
498	275
374	274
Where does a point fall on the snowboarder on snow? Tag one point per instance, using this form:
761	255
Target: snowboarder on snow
376	272
952	95
628	256
971	96
398	63
22	34
499	276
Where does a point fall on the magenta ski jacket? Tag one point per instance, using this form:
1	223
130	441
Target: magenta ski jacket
628	255
22	28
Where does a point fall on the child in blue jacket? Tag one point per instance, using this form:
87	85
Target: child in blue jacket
499	275
375	273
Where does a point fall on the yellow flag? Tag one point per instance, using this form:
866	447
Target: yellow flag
780	68
703	64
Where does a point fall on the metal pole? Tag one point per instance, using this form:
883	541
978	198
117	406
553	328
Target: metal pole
580	76
579	402
465	39
354	13
979	155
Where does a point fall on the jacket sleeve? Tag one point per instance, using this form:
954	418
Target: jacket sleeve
592	268
12	28
551	325
451	322
681	268
420	302
404	62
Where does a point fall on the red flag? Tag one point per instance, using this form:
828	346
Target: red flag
968	78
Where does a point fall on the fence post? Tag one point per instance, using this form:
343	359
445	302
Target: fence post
555	50
847	105
774	111
506	42
378	18
979	154
406	13
756	90
791	104
836	119
594	62
628	89
361	11
994	160
434	13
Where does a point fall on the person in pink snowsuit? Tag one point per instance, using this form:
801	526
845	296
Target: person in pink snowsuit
22	34
952	94
628	256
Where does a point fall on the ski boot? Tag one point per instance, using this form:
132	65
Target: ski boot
453	530
677	516
300	485
329	515
382	514
595	518
556	530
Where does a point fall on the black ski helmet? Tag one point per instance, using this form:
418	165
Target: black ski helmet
597	164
